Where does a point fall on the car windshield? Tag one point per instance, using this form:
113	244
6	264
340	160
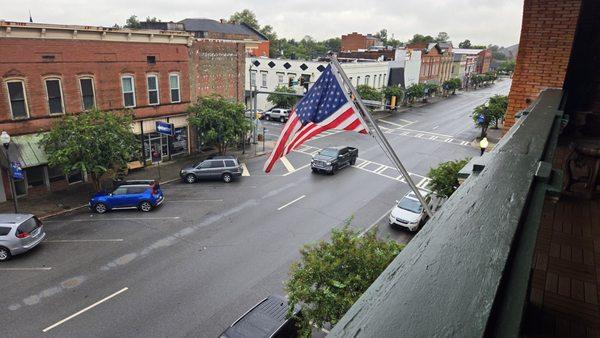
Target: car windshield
410	205
329	152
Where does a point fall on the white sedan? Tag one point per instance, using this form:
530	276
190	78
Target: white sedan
408	212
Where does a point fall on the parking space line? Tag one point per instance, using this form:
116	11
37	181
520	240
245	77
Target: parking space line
26	269
94	219
290	203
245	171
84	310
393	123
83	240
287	164
297	169
193	200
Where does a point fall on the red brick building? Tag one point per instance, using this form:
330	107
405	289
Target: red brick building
547	36
431	61
47	71
355	42
484	59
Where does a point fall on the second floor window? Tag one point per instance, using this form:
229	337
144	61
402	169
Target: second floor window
152	81
87	93
18	103
263	79
280	78
174	86
54	92
128	91
252	78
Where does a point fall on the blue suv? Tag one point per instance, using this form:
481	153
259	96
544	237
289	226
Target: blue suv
143	195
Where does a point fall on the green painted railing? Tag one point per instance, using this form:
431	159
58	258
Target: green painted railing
466	273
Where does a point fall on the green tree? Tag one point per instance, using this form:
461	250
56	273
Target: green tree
383	36
507	66
483	115
94	142
498	104
442	37
415	92
282	100
133	22
452	85
331	276
418	38
219	121
431	88
246	16
444	177
396	91
465	44
367	92
394	42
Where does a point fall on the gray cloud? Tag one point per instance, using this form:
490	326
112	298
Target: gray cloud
481	21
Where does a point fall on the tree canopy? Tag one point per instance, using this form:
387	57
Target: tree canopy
331	276
219	121
442	37
419	38
367	92
245	16
444	177
93	142
283	101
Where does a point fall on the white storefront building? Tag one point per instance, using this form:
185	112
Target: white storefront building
268	73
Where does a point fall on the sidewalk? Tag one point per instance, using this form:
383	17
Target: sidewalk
77	196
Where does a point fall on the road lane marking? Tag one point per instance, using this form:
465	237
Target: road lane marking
290	203
198	200
393	123
287	164
297	169
376	222
245	171
84	310
425	132
83	240
434	128
25	269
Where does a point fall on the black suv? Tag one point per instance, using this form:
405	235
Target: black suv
218	167
265	319
330	160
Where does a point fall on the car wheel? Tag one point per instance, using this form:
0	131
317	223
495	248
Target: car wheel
145	206
267	117
282	119
100	208
190	178
4	254
353	161
227	177
315	171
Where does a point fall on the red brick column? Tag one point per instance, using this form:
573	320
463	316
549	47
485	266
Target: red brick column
547	35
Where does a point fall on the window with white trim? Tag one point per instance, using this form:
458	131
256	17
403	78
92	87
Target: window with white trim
17	98
88	100
174	88
128	89
152	85
253	78
263	80
280	77
54	95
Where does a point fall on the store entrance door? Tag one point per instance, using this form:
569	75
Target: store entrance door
158	142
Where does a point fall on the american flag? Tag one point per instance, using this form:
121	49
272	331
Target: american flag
325	106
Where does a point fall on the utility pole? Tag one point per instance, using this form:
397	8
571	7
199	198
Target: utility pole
387	146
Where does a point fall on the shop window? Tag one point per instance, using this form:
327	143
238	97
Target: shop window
18	101
54	95
88	100
75	176
56	174
179	142
128	87
35	176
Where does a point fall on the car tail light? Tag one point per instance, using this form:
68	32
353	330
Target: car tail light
23	235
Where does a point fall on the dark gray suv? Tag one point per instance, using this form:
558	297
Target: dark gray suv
219	167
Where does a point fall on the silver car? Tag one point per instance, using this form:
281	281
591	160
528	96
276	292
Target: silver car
219	167
19	233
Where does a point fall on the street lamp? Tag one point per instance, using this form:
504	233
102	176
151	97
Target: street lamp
483	144
5	140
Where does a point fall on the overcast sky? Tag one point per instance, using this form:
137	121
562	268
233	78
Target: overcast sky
481	21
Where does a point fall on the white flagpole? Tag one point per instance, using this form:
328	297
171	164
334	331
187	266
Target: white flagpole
375	128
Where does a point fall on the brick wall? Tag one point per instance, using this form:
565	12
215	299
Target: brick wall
547	35
354	42
105	61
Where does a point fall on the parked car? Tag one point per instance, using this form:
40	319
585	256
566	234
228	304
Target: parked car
19	233
278	114
409	213
330	160
218	167
266	319
258	113
143	195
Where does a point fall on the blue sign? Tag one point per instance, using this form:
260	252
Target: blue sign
165	128
17	172
480	119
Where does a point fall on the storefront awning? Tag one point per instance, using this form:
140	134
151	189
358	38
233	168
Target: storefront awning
26	149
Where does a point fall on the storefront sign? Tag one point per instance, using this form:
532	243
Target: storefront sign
165	128
17	172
